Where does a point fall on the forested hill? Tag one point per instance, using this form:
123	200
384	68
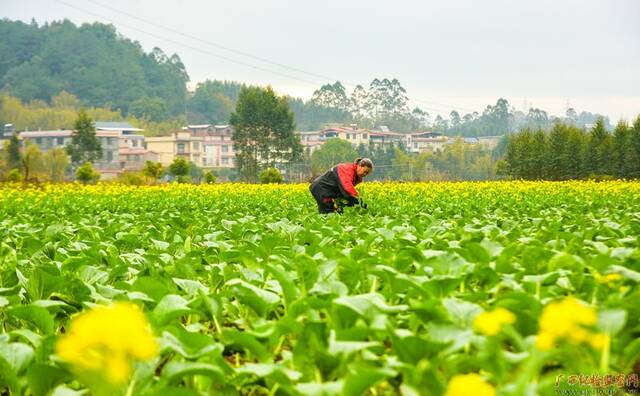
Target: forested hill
94	66
92	62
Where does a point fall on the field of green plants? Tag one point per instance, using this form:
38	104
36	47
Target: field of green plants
503	288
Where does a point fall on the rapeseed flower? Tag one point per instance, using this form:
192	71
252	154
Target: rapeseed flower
491	323
568	319
469	384
106	340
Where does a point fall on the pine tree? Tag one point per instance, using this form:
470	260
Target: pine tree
634	149
599	150
619	154
14	157
85	146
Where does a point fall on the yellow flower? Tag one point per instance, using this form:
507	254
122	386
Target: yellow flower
607	278
469	384
106	340
491	323
567	319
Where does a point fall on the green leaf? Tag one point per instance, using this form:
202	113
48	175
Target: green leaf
18	355
611	321
261	301
176	370
246	341
362	376
321	389
35	315
8	377
42	378
170	307
188	344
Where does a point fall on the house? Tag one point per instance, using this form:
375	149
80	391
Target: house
380	139
425	141
108	165
180	144
132	152
310	141
351	134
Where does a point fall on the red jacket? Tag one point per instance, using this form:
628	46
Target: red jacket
338	182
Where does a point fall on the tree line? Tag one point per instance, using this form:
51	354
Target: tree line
568	152
457	161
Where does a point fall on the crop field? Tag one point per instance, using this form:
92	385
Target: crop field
496	288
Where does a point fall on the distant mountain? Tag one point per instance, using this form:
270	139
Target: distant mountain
92	62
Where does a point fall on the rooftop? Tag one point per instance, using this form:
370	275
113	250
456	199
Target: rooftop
116	126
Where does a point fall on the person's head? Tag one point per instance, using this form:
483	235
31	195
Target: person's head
364	166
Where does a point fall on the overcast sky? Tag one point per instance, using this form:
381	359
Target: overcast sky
455	53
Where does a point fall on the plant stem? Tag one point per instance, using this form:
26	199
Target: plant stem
606	352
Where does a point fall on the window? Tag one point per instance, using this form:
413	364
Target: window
225	161
109	156
38	141
196	146
225	148
60	141
415	145
180	148
364	135
134	143
136	157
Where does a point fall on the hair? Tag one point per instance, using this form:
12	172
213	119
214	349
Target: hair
366	162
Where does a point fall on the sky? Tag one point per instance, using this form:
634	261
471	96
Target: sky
449	55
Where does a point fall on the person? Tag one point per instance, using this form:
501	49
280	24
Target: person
338	183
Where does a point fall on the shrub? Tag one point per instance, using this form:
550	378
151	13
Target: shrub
132	178
271	175
210	178
86	174
14	175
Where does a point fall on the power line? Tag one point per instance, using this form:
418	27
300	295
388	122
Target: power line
214	44
226	48
314	83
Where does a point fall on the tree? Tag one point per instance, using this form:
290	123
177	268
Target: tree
599	150
564	152
86	174
411	167
56	162
84	146
537	118
332	96
271	175
92	62
195	173
13	152
152	170
333	152
213	102
32	163
620	153
210	178
153	109
179	167
634	149
263	131
358	102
